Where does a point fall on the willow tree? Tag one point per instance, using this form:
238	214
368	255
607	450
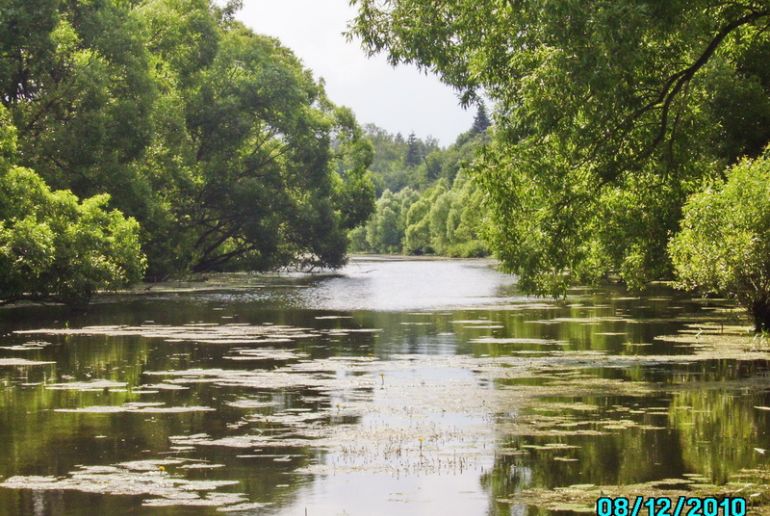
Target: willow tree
216	140
608	115
258	168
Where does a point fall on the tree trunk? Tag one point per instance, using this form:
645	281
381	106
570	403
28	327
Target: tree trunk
760	310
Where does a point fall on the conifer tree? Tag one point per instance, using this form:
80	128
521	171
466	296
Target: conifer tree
481	121
414	151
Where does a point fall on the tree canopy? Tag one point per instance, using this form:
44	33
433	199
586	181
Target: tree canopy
54	247
608	115
216	140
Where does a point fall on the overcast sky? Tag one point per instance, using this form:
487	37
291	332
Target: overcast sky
398	99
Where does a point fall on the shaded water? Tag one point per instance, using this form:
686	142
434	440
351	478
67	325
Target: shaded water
392	387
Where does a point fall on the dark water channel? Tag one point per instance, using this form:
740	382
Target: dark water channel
392	387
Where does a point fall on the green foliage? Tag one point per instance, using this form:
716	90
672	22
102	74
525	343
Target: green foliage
354	184
602	129
414	151
357	240
398	163
54	247
465	221
417	233
261	161
385	229
439	213
82	104
724	243
271	172
440	220
216	140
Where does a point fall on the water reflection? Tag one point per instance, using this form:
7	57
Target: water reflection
406	387
394	285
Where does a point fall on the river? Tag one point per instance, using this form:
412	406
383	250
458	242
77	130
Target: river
389	387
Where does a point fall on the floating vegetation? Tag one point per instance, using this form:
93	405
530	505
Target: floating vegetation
163	387
201	466
281	378
717	341
513	340
34	345
564	407
291	419
147	478
21	362
258	354
251	404
394	429
511	307
550	447
92	385
206	333
357	330
327	400
240	441
136	408
594	320
582	498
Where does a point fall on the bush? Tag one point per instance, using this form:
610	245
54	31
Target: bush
54	247
724	243
470	249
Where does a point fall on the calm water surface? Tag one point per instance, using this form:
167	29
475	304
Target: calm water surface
392	387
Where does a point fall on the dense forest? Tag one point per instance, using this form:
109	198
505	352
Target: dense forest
632	150
147	139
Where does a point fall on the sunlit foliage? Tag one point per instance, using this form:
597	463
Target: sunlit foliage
724	244
602	129
54	247
218	141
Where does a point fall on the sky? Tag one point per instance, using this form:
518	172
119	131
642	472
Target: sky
400	99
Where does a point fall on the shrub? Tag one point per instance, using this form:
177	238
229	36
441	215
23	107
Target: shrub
724	243
54	247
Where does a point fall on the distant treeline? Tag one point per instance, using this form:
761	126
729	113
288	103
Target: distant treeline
428	202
